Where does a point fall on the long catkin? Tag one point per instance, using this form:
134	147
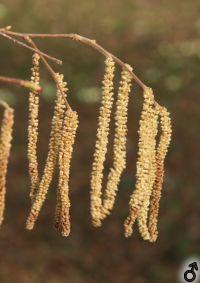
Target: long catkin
147	191
5	144
143	163
119	145
161	152
54	142
101	142
62	217
33	128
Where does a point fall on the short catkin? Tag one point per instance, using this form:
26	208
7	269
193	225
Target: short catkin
161	152
5	144
143	163
102	141
119	145
33	128
62	217
54	142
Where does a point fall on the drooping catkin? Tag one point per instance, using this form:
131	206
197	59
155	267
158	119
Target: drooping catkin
62	216
101	142
119	145
33	128
143	162
161	152
5	144
54	142
143	211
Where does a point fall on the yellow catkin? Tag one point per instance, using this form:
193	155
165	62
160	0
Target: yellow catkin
62	217
160	158
143	163
101	142
119	147
5	144
143	212
33	128
54	142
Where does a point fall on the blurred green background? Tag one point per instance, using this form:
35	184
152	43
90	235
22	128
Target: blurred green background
160	39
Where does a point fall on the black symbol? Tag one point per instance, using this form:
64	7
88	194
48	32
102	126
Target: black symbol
190	274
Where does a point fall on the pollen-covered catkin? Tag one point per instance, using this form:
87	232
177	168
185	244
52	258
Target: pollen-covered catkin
62	217
101	142
119	145
5	144
161	152
144	209
54	142
143	163
33	128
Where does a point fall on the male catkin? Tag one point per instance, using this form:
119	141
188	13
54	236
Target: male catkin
33	128
143	163
62	217
147	190
119	145
54	142
161	152
102	141
5	144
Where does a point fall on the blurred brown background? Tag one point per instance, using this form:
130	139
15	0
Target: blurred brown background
160	39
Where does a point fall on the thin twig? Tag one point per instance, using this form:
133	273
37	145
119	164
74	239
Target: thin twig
86	41
19	82
4	33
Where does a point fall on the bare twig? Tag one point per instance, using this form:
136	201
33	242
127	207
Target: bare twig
4	33
76	37
19	82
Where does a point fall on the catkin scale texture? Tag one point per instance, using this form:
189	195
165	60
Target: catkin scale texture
5	144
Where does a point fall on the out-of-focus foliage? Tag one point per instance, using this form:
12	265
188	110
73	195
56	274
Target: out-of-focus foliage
160	39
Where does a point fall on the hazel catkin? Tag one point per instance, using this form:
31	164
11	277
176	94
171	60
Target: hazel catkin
62	217
33	128
161	152
5	144
143	163
147	190
119	144
54	142
101	142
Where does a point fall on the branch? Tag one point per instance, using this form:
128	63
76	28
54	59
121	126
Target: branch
84	40
21	83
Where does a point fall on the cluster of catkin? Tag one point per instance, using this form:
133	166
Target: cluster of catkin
5	144
62	135
144	202
152	150
101	206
